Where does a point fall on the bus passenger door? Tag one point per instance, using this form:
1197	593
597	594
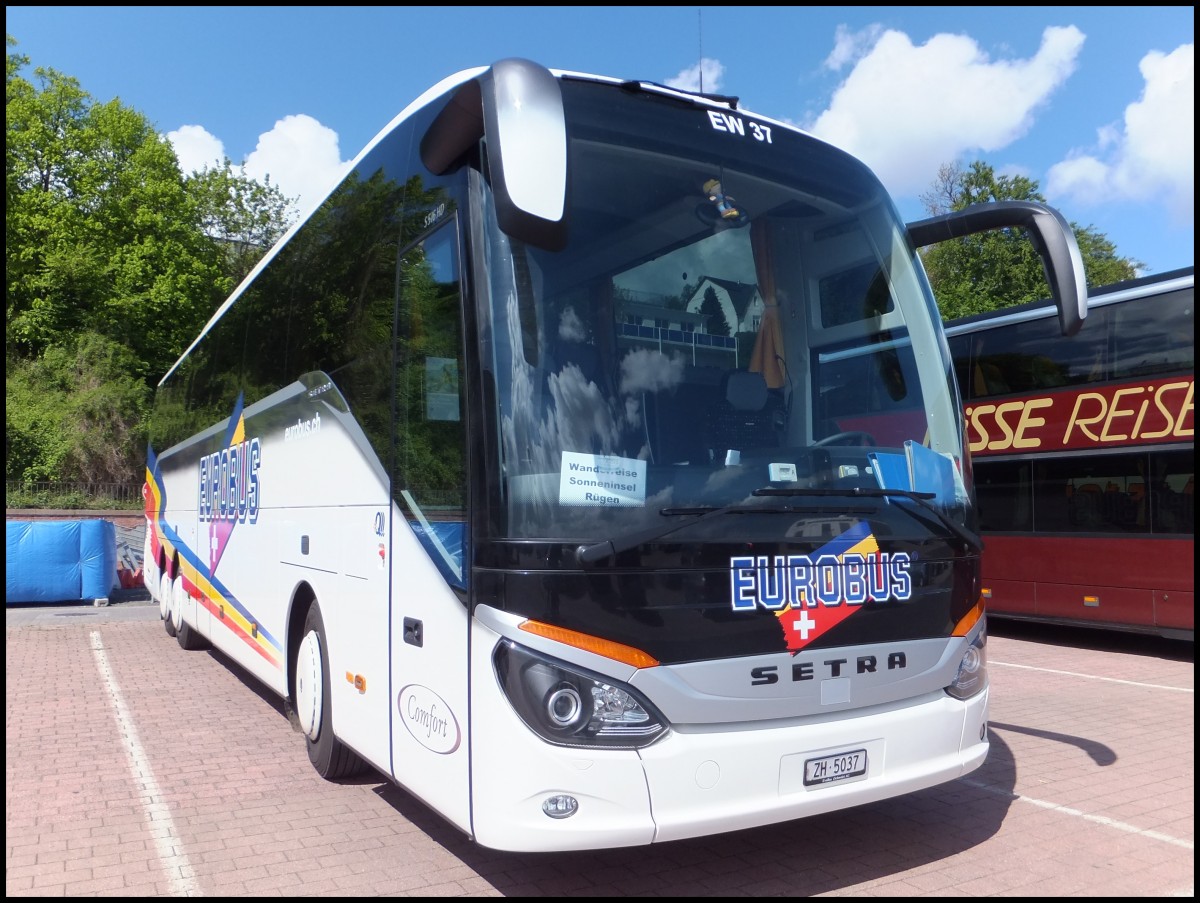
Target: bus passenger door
428	567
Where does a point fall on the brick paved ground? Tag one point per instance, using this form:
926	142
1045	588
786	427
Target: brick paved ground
133	768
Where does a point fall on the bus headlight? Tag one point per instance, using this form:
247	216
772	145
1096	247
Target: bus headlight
972	669
568	706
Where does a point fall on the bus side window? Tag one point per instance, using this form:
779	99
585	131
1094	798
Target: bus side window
1005	494
1086	507
1168	347
1170	487
988	380
963	367
1188	504
429	476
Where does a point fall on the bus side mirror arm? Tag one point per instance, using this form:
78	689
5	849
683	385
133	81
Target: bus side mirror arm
1050	233
516	108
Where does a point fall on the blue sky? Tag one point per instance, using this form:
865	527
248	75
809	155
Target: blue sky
1095	104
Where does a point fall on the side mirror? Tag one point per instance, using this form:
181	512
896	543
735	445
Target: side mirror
1050	233
516	108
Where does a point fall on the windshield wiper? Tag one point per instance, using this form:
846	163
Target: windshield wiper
973	540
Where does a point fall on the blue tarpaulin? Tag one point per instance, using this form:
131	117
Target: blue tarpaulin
59	561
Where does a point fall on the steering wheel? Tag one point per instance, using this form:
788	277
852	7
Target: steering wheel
850	437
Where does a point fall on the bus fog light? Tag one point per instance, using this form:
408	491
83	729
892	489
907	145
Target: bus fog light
560	805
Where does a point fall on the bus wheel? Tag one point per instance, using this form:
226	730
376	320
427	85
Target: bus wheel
187	636
164	603
314	707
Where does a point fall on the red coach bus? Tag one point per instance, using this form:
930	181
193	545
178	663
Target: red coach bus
1083	453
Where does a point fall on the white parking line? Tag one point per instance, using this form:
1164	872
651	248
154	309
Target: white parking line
158	814
1097	819
1115	680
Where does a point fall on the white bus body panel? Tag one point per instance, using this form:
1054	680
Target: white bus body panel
513	770
699	779
344	569
325	521
744	777
428	709
321	518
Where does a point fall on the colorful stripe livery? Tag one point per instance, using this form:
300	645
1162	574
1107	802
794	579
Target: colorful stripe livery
198	573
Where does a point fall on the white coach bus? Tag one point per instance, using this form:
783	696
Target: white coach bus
590	463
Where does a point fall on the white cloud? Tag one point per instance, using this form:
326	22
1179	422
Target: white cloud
301	158
849	46
905	110
196	149
707	75
1151	155
299	155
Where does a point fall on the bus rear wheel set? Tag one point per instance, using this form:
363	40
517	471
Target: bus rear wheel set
164	602
170	606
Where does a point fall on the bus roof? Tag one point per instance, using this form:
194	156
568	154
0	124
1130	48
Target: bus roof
1097	297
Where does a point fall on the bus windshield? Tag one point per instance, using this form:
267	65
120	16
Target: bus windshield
710	330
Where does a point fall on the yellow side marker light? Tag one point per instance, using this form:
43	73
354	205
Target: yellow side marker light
970	619
618	652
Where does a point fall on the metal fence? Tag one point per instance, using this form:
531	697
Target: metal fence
117	496
128	496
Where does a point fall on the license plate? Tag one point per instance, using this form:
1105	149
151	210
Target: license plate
838	767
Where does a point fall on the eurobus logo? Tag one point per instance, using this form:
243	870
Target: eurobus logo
812	594
229	483
229	490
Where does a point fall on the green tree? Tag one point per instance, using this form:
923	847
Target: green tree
243	216
102	232
75	414
715	322
109	250
1001	268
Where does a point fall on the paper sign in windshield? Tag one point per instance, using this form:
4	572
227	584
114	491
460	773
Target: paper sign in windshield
605	481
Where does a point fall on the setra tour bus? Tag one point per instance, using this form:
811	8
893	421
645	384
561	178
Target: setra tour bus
530	469
1084	457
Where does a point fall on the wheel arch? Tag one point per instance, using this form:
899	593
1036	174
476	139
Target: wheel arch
162	562
303	598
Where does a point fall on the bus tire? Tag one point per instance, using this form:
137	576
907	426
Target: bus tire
164	602
314	707
188	637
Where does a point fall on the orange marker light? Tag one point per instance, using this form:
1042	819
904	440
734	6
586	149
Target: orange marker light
616	651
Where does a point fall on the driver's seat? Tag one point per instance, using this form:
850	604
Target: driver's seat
748	416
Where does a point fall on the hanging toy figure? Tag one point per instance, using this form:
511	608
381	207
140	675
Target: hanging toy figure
724	204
